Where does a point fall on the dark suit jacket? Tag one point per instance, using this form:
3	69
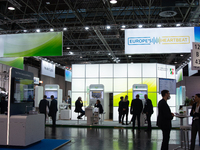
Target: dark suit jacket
4	106
42	106
164	115
100	108
195	114
125	105
148	107
78	106
120	106
53	107
136	106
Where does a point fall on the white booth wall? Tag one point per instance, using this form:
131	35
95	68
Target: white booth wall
119	79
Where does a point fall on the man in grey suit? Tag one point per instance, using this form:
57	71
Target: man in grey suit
136	109
164	118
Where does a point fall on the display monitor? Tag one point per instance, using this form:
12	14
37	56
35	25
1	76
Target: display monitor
140	93
167	84
96	94
68	75
49	93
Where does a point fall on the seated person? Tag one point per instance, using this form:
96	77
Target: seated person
98	105
78	107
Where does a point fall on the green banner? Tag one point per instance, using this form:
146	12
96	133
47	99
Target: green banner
31	44
17	62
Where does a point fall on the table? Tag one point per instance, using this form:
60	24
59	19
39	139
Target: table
181	118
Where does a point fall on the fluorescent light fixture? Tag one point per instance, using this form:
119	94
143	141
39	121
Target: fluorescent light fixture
51	30
68	47
47	3
178	25
123	26
129	56
108	27
140	26
86	28
113	1
11	8
25	30
64	29
38	30
159	25
71	53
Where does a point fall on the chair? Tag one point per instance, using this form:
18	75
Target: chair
185	138
77	116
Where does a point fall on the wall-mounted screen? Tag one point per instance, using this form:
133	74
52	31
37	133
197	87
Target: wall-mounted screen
140	93
49	93
68	75
96	94
167	84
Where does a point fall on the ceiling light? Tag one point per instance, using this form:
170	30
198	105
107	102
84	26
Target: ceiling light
51	30
81	57
178	25
122	29
11	8
181	55
71	53
140	26
86	28
68	47
38	30
109	54
123	26
64	29
25	30
129	56
108	27
159	25
47	3
175	62
113	1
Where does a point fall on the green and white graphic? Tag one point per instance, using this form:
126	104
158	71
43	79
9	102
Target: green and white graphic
31	44
17	62
179	75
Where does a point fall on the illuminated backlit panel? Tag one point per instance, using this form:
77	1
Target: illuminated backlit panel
155	114
120	84
171	72
171	101
92	71
108	84
91	81
78	71
78	85
173	110
106	70
116	115
161	71
134	70
132	81
151	83
153	98
148	70
120	70
116	98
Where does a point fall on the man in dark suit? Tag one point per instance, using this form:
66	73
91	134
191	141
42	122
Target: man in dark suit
120	110
53	110
78	107
3	105
68	101
136	109
148	110
44	106
164	118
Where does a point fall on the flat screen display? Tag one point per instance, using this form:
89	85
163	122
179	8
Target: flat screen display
140	93
167	84
49	93
23	90
68	75
96	94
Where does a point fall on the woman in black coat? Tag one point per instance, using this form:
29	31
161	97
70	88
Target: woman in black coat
195	112
98	105
125	109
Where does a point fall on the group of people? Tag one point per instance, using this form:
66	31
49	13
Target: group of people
136	110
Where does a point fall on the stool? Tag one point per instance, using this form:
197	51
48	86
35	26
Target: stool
77	117
103	117
185	139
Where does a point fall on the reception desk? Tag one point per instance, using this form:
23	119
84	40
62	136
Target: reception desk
24	129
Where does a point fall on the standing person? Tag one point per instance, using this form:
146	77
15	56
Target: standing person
3	105
136	109
44	106
78	107
195	112
164	118
98	105
148	110
120	110
125	109
68	101
53	110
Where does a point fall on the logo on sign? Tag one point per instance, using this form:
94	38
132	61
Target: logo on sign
171	71
158	40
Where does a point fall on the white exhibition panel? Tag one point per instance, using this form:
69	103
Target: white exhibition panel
190	71
132	81
120	84
120	70
149	70
134	70
108	84
159	40
161	71
171	102
78	85
91	81
92	71
171	74
47	69
78	71
155	114
106	70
